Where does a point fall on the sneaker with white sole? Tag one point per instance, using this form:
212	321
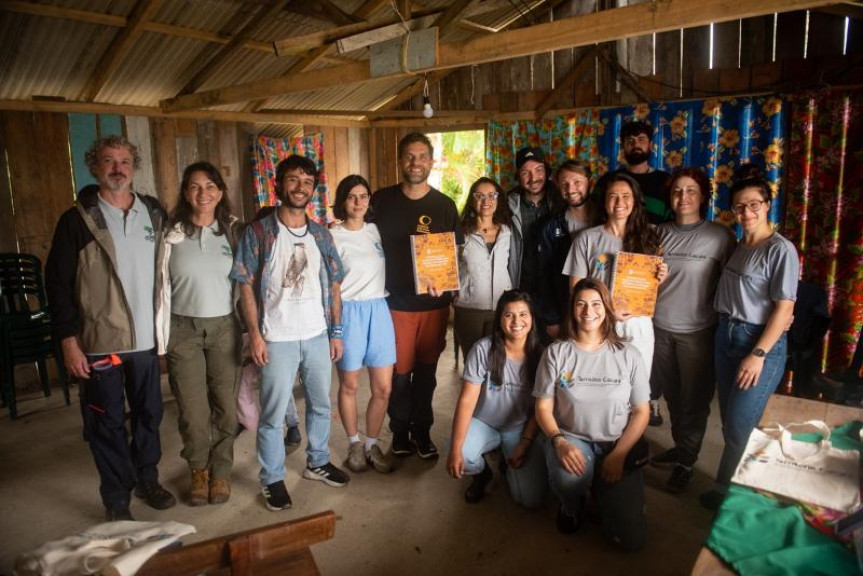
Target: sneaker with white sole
655	414
328	474
381	462
356	461
276	496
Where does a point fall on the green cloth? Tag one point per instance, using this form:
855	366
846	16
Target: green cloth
760	536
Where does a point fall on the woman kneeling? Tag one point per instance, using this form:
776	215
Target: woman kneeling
495	408
592	404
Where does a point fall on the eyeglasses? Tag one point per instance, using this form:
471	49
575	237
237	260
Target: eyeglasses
359	197
754	207
480	197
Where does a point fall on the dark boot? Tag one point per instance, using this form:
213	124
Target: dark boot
476	490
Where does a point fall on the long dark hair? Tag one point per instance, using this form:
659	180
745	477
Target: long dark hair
469	215
347	184
639	236
609	334
532	346
183	211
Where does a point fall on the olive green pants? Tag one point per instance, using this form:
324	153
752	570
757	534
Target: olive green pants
203	370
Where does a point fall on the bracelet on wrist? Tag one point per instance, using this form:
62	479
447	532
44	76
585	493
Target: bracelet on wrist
556	436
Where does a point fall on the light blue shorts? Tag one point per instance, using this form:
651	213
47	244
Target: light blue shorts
369	338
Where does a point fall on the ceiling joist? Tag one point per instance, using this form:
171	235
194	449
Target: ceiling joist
583	30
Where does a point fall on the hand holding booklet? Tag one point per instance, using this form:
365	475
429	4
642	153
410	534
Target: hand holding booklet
435	262
635	284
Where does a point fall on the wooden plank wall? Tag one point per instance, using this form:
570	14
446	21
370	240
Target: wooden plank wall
346	152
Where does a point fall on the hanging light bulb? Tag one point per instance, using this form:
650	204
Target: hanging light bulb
428	111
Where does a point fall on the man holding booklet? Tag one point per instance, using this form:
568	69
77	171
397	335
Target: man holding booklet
419	313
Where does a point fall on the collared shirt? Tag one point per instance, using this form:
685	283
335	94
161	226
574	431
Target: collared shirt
135	246
199	269
255	252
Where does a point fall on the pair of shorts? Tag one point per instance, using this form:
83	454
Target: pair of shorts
368	335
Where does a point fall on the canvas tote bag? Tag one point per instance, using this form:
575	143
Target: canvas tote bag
815	473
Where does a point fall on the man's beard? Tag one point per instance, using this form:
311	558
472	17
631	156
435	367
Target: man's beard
287	201
636	156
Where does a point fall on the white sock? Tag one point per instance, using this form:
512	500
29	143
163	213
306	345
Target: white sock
369	443
354	438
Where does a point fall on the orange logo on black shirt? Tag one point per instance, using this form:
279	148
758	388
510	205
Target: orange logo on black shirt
423	224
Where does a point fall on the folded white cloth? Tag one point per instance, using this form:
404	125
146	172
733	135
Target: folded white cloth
109	549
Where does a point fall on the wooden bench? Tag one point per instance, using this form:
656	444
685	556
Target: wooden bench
278	549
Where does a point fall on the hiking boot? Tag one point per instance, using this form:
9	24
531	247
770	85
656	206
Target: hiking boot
328	474
154	495
476	490
199	488
117	514
381	462
679	479
276	496
293	437
402	445
655	414
220	490
356	461
667	459
426	449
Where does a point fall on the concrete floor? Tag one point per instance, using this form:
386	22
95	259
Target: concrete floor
413	521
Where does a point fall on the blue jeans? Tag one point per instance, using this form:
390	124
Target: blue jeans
621	504
742	409
312	358
527	484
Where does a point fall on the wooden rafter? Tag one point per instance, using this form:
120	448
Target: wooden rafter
141	13
265	13
452	13
303	65
584	60
369	8
323	10
583	30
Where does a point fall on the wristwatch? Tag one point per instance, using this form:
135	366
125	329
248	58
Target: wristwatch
759	352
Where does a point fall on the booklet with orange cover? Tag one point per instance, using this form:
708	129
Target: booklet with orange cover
634	283
435	262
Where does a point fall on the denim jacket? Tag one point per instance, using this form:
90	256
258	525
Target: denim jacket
255	251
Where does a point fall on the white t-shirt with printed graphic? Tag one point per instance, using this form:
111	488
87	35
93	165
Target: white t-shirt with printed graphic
294	309
593	390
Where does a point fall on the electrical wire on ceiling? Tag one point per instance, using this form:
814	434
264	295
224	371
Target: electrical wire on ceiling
407	39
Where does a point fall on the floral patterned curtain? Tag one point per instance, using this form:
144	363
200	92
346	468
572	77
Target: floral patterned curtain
268	152
824	218
569	136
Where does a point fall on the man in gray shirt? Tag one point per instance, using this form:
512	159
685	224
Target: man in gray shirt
101	278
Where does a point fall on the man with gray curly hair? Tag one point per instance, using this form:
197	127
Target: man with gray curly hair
101	281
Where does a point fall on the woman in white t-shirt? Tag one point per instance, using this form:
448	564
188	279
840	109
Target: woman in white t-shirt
592	395
495	408
369	339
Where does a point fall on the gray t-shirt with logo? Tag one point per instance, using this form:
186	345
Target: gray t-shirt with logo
593	391
501	405
756	277
135	247
592	255
199	267
695	255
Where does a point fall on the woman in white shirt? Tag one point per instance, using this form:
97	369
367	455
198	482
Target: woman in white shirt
369	338
198	329
484	262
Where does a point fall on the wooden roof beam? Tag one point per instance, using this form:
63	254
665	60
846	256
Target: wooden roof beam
265	13
584	60
452	13
323	10
583	30
141	13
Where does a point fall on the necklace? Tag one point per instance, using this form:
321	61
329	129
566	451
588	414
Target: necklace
295	235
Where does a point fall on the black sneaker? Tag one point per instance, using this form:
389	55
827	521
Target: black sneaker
117	514
426	449
679	479
476	490
154	495
567	524
667	459
655	414
402	445
293	437
712	499
328	474
276	496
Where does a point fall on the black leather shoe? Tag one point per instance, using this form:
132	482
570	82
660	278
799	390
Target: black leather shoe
402	445
155	496
426	449
476	491
117	514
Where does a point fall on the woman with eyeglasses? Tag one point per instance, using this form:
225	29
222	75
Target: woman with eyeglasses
755	301
484	262
369	338
684	323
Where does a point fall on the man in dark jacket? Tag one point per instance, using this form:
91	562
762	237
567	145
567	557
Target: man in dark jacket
101	278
